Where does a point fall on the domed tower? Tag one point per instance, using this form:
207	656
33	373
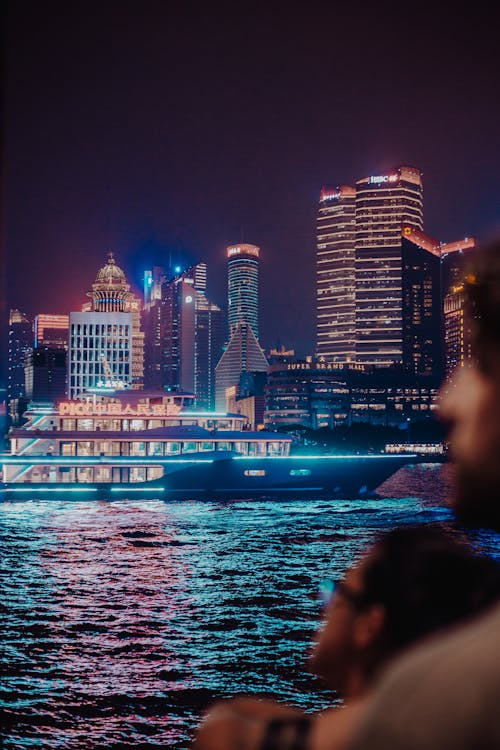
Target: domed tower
110	291
106	346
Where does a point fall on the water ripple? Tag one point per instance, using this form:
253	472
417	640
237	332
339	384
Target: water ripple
121	621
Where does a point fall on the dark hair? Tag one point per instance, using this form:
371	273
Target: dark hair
482	288
426	579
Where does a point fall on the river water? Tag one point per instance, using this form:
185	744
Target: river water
122	620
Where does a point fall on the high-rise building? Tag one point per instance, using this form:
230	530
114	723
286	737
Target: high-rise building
191	331
383	204
111	294
153	279
457	330
454	258
421	303
20	345
335	279
210	334
243	286
46	374
243	354
51	331
106	344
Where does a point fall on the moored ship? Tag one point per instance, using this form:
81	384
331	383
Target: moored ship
118	443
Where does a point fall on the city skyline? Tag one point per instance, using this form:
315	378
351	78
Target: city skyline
175	134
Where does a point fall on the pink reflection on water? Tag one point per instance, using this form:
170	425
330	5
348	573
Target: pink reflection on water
118	592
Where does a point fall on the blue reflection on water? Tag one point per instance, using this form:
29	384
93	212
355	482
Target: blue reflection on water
122	620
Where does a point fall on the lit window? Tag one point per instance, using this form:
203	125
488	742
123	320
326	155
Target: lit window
300	472
254	473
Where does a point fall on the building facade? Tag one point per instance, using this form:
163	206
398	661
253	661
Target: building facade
243	287
243	354
335	277
383	204
100	351
111	294
421	303
317	394
457	330
20	345
51	331
106	343
45	372
381	282
191	329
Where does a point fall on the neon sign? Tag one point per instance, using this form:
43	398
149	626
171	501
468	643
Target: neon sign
378	179
246	249
88	409
329	196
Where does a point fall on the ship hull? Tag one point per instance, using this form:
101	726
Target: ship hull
234	476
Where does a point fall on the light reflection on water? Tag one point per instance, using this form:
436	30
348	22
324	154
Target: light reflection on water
122	620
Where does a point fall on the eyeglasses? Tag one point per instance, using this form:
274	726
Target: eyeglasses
328	589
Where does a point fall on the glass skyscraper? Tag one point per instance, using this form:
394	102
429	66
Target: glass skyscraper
335	281
243	286
383	204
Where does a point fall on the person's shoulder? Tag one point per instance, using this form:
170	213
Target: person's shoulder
438	693
459	645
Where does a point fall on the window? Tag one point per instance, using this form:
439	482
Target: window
254	473
300	472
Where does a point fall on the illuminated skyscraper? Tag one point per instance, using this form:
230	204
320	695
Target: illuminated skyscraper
243	354
456	325
106	344
191	334
153	279
335	280
51	331
457	330
243	286
421	303
454	257
20	345
383	204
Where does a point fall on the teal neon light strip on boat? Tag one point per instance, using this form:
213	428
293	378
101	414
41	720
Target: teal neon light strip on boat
34	490
98	460
324	458
137	489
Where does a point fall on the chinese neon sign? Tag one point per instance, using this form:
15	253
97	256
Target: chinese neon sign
88	409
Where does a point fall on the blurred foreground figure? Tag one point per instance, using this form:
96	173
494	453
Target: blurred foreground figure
446	695
412	582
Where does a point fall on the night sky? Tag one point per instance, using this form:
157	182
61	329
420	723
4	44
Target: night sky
167	130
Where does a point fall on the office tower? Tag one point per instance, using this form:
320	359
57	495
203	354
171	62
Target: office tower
457	330
210	335
454	258
153	279
243	354
421	308
106	344
243	286
111	293
383	203
51	331
153	346
20	344
46	374
191	331
335	280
